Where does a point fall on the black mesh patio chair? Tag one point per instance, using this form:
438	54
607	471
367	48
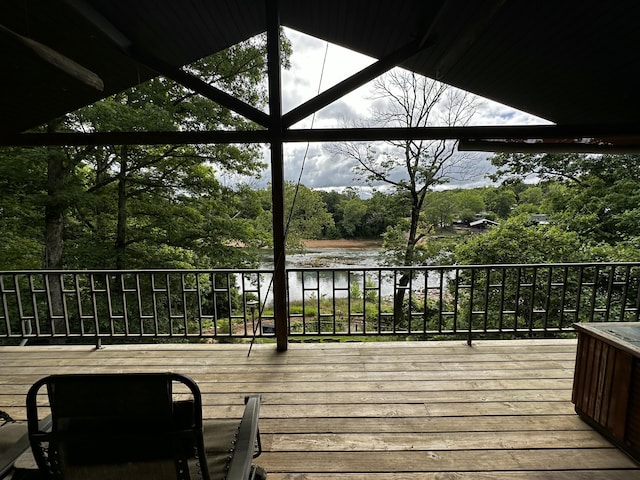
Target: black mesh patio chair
137	426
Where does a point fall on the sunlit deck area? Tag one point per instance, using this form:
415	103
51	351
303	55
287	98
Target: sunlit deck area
409	410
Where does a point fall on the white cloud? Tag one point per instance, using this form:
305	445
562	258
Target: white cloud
317	66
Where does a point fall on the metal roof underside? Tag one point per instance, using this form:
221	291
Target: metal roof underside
574	63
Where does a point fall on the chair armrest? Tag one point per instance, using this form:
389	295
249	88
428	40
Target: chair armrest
248	435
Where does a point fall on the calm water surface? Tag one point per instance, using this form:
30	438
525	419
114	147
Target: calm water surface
336	283
328	258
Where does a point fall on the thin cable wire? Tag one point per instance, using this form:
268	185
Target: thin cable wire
293	202
306	152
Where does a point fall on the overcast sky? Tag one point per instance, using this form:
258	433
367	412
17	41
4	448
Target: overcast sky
303	81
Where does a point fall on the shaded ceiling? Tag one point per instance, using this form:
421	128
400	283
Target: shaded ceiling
571	62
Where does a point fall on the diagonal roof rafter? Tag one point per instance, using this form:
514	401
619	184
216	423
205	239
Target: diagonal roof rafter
165	69
381	66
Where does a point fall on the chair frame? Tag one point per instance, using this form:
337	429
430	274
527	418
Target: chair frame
247	439
9	456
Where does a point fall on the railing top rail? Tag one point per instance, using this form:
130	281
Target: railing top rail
349	268
136	271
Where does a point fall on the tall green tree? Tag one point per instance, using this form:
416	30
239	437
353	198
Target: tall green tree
383	211
305	211
597	196
440	209
356	217
354	211
533	195
469	203
22	203
500	200
414	167
138	200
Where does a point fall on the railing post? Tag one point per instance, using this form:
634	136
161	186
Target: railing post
26	328
471	292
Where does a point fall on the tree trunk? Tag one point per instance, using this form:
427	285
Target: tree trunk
101	231
54	213
401	287
54	231
121	232
398	300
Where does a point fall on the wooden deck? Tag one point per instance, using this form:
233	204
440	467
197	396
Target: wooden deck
415	410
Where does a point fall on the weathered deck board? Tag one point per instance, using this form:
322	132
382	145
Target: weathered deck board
363	442
415	410
444	461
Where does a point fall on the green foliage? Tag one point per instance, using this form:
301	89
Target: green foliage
353	211
500	201
423	315
143	206
596	196
440	209
533	195
443	208
517	241
355	291
163	206
22	200
355	217
515	167
438	249
308	218
468	201
394	243
626	250
604	209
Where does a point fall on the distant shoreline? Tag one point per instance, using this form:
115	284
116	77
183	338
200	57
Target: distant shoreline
343	243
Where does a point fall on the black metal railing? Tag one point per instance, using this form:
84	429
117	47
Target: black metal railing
462	300
131	304
470	301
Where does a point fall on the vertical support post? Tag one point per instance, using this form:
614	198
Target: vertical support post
277	173
472	283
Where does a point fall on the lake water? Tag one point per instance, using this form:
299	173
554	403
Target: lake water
328	258
336	283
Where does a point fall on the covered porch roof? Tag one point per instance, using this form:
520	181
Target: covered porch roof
572	63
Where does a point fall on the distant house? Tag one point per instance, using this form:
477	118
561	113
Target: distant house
482	223
539	219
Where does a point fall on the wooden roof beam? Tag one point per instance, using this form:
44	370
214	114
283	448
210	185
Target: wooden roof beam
606	144
479	138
